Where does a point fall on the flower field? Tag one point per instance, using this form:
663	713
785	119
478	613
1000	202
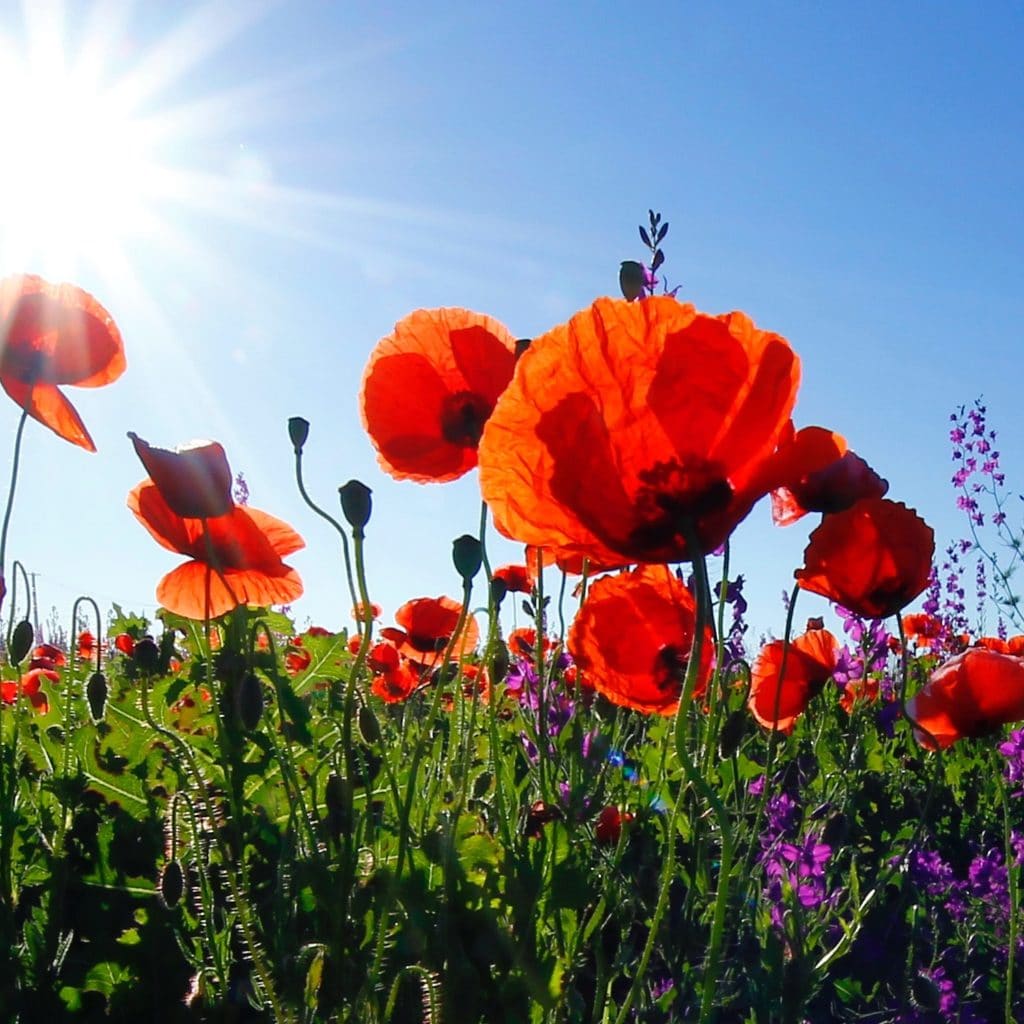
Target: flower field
576	788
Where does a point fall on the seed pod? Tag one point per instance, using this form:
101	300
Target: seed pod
925	993
734	728
499	662
338	796
172	884
249	701
21	641
96	695
481	784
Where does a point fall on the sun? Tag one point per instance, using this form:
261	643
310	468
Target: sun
80	168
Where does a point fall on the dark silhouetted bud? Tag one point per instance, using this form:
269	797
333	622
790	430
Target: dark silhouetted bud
356	503
499	662
147	654
369	727
631	279
338	796
925	992
298	431
96	695
499	588
21	641
249	701
734	728
172	884
522	344
468	555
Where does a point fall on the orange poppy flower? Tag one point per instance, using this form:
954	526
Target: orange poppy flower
872	559
429	388
359	611
855	690
522	642
809	664
297	659
86	644
517	578
972	694
53	334
30	686
924	631
48	656
636	417
833	488
633	636
240	556
427	625
194	479
992	643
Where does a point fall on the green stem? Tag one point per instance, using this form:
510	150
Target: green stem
10	496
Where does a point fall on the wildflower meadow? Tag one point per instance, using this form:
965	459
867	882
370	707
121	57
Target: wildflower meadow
577	788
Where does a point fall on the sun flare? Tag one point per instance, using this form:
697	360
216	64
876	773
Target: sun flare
80	172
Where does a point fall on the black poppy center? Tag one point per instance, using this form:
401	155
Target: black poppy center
675	493
669	669
463	416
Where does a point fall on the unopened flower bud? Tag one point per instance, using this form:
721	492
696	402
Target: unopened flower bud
147	654
356	504
21	641
298	431
172	884
468	556
631	279
249	701
96	695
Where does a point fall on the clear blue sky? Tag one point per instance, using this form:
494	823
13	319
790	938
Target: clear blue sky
848	175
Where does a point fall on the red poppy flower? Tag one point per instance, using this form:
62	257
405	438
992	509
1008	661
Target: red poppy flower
872	559
855	690
194	479
635	418
86	644
30	686
522	642
359	611
570	562
517	578
297	660
609	825
239	558
125	643
53	334
926	632
395	678
632	639
428	389
809	664
972	694
475	683
833	488
427	625
52	656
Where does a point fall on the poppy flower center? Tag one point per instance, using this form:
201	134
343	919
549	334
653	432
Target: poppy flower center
427	644
669	669
677	491
463	415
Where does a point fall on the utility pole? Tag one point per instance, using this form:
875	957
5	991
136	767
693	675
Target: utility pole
35	608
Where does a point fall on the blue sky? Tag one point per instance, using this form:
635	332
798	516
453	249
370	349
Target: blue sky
850	176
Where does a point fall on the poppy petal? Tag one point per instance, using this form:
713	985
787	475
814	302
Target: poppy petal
183	590
195	480
43	402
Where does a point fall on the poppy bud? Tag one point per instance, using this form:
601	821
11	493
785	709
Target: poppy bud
522	344
467	554
733	730
96	695
925	992
249	701
499	662
369	727
481	785
21	641
356	504
298	431
338	796
172	884
147	654
499	588
631	279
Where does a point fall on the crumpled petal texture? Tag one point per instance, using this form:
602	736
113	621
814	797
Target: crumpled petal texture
429	387
633	416
872	559
972	694
55	334
241	556
633	636
779	694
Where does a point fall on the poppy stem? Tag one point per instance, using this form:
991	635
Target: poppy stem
10	499
1013	882
334	522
